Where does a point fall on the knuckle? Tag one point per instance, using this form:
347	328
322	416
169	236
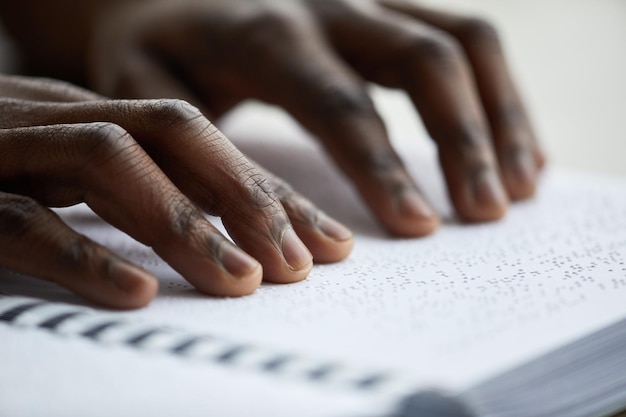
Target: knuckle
17	214
510	116
184	217
476	159
468	145
183	120
263	207
299	209
173	112
259	190
464	139
337	101
282	190
105	134
77	252
479	31
376	163
437	47
477	169
213	243
256	193
513	150
104	141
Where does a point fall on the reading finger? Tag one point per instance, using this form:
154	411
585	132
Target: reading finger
205	166
395	50
327	239
517	148
34	241
101	164
298	71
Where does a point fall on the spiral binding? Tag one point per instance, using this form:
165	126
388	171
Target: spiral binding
105	328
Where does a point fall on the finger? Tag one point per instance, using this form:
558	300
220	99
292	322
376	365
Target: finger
327	239
517	147
206	167
395	50
43	89
101	164
295	68
34	241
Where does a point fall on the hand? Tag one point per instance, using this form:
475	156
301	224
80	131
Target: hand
149	168
312	57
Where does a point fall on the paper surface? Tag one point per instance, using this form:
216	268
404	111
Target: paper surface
448	310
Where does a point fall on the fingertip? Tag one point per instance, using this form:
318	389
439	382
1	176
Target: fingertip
327	239
123	287
520	189
227	285
336	243
540	159
413	227
225	270
486	199
237	273
480	213
335	251
136	286
236	262
483	213
331	229
410	216
290	260
295	252
520	176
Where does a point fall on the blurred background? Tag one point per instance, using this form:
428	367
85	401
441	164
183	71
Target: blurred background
569	58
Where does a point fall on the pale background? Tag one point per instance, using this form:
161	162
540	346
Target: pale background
569	57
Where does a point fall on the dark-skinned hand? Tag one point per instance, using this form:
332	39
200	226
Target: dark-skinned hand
151	168
313	58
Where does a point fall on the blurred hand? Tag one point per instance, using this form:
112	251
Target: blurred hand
312	57
150	168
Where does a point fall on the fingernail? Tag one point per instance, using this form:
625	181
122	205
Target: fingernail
127	277
235	261
411	204
487	189
295	253
332	228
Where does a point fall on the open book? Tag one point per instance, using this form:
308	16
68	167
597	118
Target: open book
522	317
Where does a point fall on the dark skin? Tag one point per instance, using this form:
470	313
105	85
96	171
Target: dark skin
150	168
313	58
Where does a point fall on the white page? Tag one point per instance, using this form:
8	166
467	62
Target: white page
452	308
447	310
47	375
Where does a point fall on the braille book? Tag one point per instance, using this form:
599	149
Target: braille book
525	317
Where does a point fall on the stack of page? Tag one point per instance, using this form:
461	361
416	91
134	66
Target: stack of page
521	317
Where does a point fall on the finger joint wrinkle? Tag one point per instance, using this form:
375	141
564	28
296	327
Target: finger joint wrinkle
16	215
